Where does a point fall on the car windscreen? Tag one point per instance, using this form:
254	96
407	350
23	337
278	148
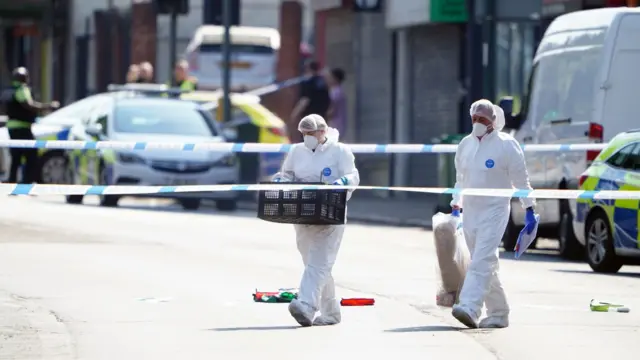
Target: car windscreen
238	49
162	117
563	77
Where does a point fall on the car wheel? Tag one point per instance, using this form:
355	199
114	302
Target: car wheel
190	204
599	247
107	200
53	168
570	247
74	199
510	237
226	205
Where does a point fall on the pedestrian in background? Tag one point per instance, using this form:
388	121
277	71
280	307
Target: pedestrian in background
314	96
182	78
337	113
133	75
22	112
146	73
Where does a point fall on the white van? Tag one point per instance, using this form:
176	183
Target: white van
583	88
254	52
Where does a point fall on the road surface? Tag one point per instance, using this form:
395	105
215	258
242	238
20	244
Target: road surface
152	281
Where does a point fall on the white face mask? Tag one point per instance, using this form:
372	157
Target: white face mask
479	129
310	142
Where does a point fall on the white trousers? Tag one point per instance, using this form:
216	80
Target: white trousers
318	245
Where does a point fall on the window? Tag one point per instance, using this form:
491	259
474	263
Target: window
238	49
563	77
161	117
622	158
632	161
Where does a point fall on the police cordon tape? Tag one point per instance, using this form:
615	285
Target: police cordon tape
43	189
268	148
265	90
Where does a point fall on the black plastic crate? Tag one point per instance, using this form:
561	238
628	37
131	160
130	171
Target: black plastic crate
308	207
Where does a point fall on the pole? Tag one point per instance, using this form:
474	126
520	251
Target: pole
226	50
173	34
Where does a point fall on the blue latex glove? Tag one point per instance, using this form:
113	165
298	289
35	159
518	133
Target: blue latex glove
455	212
530	221
342	181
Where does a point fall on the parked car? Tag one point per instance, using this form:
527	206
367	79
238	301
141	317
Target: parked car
251	122
582	89
146	119
608	229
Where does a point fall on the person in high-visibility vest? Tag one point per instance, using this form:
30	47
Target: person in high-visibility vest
22	111
182	78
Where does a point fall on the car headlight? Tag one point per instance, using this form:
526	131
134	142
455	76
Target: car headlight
228	160
128	158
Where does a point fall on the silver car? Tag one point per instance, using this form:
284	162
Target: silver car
152	119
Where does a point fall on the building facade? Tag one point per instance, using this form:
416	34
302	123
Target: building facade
87	27
405	77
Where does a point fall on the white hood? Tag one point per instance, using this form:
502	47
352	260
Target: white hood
173	154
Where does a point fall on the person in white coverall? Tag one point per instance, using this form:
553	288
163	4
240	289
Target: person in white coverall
320	158
490	159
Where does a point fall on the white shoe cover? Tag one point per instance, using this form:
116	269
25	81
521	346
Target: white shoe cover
495	322
464	316
301	312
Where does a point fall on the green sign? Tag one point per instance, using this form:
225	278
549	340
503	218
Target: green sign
448	11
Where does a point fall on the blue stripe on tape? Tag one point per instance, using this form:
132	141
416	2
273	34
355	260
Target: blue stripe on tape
140	146
91	145
588	194
565	147
285	147
237	147
521	193
167	189
41	144
22	189
240	187
95	190
451	191
188	147
381	148
427	148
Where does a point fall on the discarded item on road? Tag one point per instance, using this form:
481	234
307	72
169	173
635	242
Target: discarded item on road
607	307
357	302
453	257
280	296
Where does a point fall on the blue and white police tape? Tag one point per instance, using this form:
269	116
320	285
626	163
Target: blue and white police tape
265	90
267	148
275	87
42	189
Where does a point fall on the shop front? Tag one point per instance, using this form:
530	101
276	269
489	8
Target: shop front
34	35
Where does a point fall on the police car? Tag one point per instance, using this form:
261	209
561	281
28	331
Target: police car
152	119
608	229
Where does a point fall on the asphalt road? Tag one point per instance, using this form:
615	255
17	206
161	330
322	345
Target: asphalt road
152	281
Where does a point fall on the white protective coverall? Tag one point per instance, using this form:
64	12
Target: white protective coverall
331	162
496	161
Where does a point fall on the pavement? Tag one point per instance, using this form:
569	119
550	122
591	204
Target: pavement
148	280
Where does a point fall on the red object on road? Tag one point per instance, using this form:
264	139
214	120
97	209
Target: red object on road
357	302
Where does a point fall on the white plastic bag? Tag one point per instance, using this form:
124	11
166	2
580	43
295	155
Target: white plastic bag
453	257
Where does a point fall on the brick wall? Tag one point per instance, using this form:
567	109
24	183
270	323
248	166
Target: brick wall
289	58
143	32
